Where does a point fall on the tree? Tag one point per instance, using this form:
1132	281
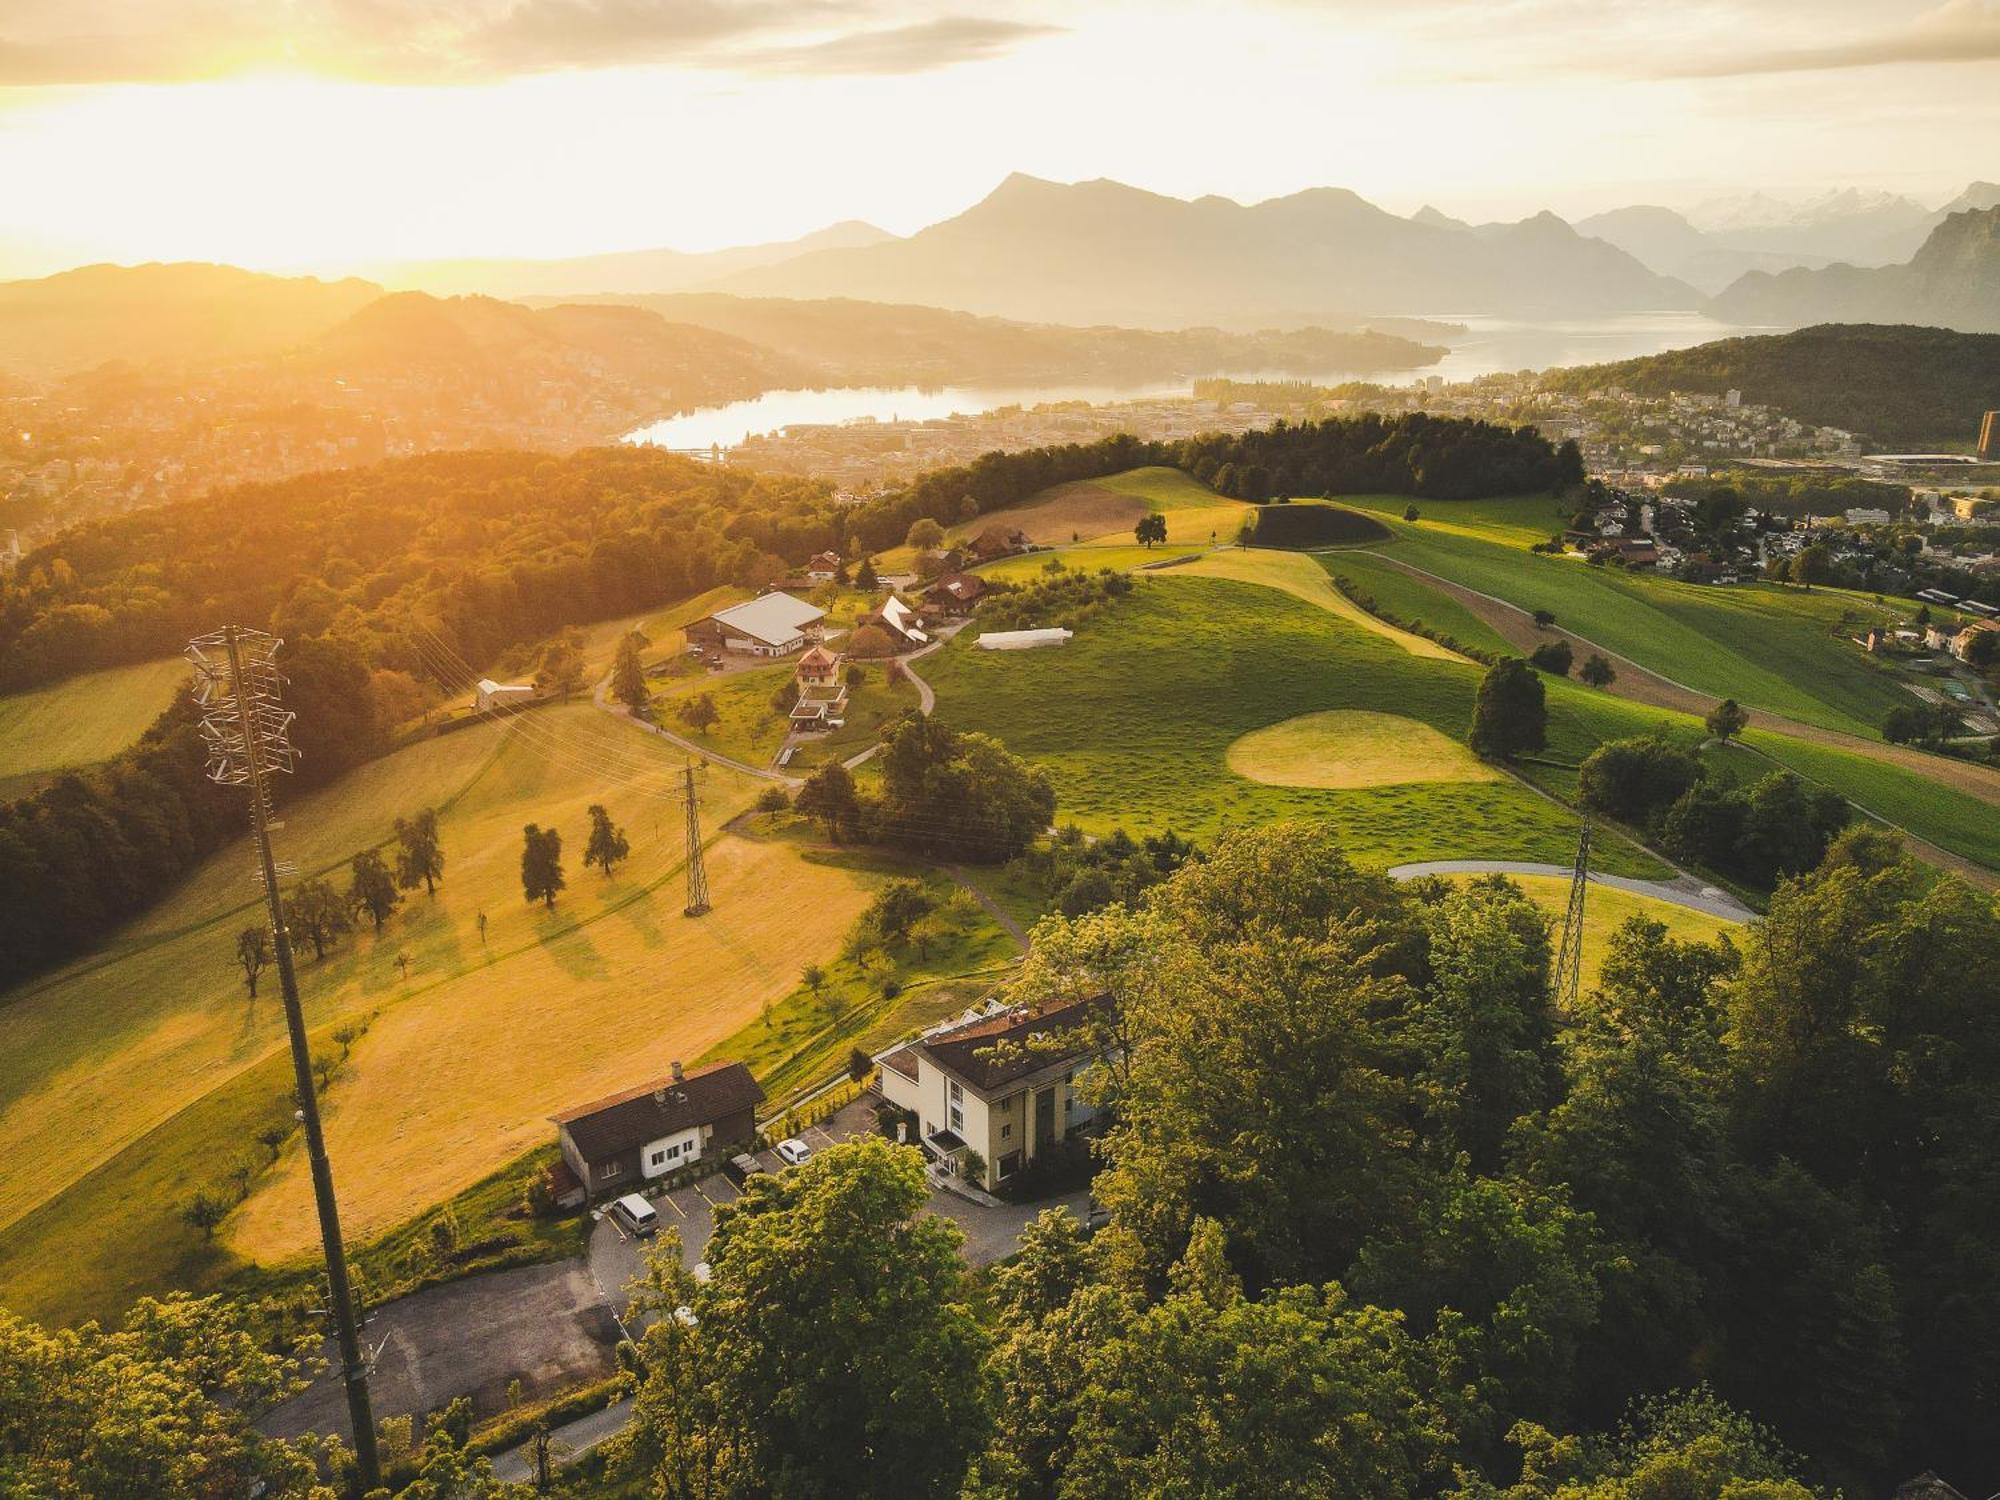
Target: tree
1638	779
205	1211
1813	565
959	796
561	667
1510	716
900	906
1982	649
541	864
371	888
1544	618
253	951
1727	720
419	857
628	673
777	1378
864	576
162	1409
606	845
1553	657
813	977
1598	672
924	534
1151	529
829	796
316	913
1412	514
698	712
870	641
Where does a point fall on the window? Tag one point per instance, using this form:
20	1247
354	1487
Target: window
673	1150
1006	1132
955	1093
957	1119
612	1168
659	1158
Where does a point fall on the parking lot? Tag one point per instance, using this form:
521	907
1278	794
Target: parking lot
615	1256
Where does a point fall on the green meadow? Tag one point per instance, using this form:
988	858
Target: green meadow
81	721
1134	718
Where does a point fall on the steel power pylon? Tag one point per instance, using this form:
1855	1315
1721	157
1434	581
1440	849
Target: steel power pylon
248	731
1569	961
697	873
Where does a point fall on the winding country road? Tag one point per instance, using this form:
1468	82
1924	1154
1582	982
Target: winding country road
1684	890
1641	684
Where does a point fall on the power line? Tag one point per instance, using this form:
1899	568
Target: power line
248	731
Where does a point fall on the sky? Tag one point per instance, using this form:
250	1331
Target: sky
330	135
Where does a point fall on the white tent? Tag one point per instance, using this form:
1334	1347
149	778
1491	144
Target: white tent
1022	640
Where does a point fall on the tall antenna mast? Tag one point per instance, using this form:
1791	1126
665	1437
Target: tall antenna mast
697	874
1569	962
248	731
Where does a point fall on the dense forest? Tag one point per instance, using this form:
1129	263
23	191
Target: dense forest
1384	1222
1899	386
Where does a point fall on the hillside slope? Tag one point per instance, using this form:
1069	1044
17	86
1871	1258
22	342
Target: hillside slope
1898	385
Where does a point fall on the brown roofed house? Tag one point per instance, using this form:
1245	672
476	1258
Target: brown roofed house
998	541
955	593
613	1145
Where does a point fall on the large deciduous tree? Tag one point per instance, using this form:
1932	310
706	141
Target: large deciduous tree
419	855
829	1352
371	888
541	864
607	845
1510	716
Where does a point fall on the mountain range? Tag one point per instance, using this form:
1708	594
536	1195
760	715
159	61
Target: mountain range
1102	252
622	271
1953	281
1713	244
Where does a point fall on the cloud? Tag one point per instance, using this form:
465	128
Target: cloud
53	42
1957	31
917	48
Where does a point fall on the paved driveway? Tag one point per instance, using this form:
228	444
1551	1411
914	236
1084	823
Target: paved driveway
545	1326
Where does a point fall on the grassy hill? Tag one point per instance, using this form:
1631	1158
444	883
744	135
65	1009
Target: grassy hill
1135	718
82	721
1774	648
449	1072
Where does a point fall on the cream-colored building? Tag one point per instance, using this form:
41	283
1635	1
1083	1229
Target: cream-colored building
1002	1086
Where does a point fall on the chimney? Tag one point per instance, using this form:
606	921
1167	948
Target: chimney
680	1073
660	1098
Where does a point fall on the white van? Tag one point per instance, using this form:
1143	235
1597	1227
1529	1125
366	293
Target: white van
635	1215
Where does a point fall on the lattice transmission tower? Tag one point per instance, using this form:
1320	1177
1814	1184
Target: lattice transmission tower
697	873
1569	961
248	729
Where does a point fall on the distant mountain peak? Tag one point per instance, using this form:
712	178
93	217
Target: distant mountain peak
1436	218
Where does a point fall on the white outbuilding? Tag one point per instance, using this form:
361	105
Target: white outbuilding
1023	640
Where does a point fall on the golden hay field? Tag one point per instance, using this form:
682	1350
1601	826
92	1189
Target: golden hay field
1353	747
460	1077
1606	910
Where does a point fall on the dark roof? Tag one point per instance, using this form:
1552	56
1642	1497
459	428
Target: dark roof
903	1060
967	1052
606	1127
960	586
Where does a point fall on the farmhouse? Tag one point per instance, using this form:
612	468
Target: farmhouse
773	624
823	567
955	593
491	695
822	697
610	1145
999	541
901	623
1000	1087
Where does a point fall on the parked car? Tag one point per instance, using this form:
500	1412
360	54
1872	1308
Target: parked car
792	1151
743	1167
635	1215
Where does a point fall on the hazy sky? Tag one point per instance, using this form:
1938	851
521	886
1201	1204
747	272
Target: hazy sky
328	133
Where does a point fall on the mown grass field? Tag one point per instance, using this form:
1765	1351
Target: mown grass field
1103	511
1413	601
1353	747
750	729
1780	649
1134	718
143	1073
81	721
1302	577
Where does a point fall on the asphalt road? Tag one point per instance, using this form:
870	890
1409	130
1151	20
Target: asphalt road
1682	891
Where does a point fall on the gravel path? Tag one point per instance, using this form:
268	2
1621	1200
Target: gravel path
1683	890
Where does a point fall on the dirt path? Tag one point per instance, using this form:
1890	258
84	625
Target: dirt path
1643	685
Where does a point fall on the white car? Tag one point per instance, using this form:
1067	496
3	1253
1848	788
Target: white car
792	1152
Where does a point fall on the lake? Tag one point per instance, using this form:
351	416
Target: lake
1489	346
